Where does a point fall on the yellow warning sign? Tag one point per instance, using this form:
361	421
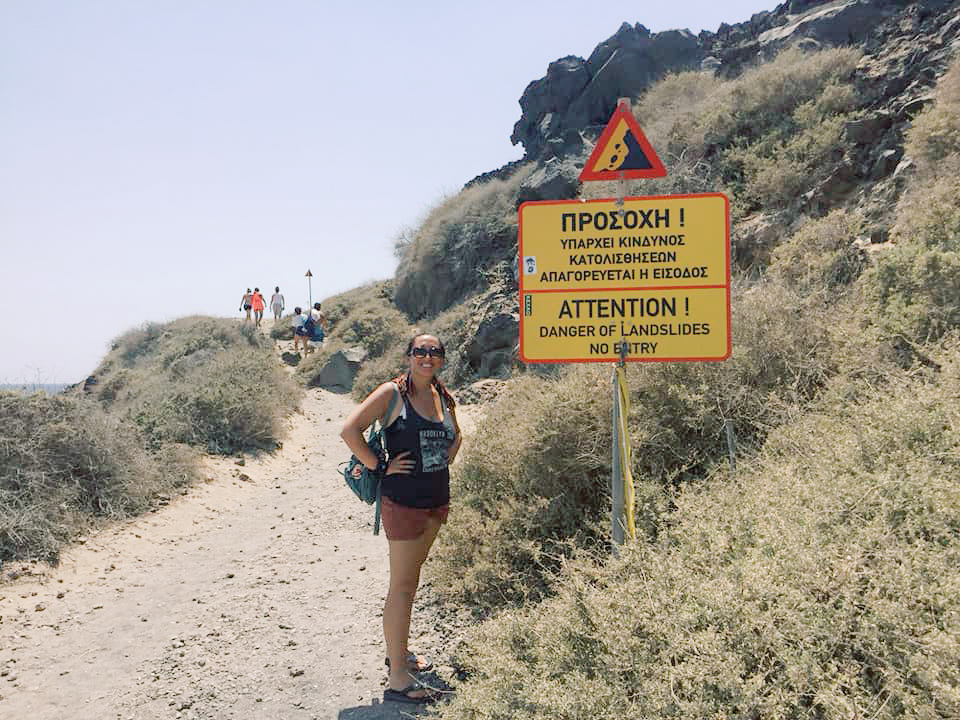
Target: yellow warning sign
622	151
651	274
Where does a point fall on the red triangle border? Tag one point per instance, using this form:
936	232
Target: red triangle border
656	168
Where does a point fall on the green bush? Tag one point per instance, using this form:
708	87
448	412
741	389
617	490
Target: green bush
823	581
65	464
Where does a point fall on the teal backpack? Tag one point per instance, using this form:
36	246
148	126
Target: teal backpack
366	484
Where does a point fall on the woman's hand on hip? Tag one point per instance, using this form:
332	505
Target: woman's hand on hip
401	464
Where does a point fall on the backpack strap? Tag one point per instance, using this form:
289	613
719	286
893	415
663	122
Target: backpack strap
394	398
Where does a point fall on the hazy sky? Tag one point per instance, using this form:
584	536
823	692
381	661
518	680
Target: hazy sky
159	157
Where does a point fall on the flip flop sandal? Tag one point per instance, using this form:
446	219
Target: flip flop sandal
413	663
403	696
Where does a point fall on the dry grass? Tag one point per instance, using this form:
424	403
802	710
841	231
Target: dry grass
822	581
164	392
464	235
763	138
66	465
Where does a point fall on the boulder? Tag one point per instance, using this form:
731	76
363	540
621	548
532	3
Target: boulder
341	368
832	23
492	342
482	391
554	180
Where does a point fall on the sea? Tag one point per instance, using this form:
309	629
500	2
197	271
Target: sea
30	388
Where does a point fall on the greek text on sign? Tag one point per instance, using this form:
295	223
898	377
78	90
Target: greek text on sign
645	242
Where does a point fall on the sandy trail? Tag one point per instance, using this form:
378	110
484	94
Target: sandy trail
257	594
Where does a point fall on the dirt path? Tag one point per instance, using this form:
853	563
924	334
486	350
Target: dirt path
255	595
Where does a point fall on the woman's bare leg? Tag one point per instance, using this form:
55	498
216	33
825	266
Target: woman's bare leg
406	559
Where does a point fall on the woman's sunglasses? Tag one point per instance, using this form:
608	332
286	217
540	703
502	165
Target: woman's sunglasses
431	351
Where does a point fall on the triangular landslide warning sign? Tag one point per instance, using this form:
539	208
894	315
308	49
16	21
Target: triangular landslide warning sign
622	151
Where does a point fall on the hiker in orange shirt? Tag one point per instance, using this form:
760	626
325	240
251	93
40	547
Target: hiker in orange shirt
258	305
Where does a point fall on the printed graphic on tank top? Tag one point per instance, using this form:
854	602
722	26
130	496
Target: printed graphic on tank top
434	448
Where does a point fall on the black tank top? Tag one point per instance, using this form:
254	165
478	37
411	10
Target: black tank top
428	486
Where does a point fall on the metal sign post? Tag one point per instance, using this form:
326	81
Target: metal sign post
616	479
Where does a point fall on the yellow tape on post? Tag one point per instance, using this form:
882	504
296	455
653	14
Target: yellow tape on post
629	494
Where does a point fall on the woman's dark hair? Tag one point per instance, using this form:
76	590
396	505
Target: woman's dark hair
407	386
297	310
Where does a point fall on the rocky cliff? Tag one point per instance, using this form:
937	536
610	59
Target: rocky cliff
905	47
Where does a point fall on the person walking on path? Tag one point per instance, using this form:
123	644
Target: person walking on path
319	323
299	333
247	303
422	439
277	304
258	305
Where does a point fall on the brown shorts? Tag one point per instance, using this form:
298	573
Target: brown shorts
406	523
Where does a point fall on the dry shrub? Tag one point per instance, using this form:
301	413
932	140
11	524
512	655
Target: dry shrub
935	132
821	259
282	329
821	582
914	292
532	477
535	478
684	414
928	213
794	90
206	382
762	138
467	233
65	464
364	317
376	371
452	327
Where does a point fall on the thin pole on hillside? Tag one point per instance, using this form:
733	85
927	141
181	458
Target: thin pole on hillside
616	480
309	287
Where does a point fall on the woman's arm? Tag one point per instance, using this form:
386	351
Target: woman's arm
457	438
360	419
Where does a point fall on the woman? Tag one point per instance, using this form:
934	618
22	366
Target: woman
299	334
257	302
422	439
277	303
